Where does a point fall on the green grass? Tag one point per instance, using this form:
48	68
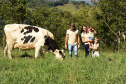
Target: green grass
70	7
24	69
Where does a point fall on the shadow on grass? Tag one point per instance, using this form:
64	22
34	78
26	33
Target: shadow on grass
25	55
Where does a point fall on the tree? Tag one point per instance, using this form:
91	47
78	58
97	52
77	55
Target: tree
14	11
95	2
113	16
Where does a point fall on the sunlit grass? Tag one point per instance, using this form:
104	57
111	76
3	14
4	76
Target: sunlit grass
24	69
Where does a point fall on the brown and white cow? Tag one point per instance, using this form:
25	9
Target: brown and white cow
24	36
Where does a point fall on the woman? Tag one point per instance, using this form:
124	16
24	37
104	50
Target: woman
85	39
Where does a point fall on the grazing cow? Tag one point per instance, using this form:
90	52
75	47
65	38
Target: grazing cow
30	37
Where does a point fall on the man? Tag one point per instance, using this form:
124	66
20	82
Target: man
72	36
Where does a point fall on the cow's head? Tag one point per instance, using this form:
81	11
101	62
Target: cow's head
59	54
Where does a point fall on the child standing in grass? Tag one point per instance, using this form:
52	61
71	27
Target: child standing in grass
94	48
91	33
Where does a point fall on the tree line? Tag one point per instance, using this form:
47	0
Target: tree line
47	3
107	18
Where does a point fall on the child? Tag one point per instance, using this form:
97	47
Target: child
94	48
91	32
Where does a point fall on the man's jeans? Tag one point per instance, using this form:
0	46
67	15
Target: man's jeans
72	47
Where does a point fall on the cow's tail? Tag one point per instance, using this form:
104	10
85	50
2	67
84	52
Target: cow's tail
4	43
3	39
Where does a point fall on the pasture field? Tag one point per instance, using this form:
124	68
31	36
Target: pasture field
70	7
109	68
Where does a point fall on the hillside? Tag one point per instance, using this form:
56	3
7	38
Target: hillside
70	7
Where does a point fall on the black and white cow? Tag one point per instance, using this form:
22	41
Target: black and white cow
30	37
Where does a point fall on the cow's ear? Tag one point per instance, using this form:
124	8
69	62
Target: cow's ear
60	51
63	52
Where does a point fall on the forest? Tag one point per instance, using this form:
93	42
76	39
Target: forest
107	17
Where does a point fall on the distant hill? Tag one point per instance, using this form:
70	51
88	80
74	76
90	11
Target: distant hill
70	7
40	3
86	1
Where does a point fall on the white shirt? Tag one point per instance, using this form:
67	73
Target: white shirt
72	36
96	46
85	36
91	34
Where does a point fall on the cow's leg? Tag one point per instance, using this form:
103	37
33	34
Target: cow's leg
38	46
10	44
20	52
37	49
9	51
5	51
41	52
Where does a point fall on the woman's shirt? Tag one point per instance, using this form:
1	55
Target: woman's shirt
85	36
